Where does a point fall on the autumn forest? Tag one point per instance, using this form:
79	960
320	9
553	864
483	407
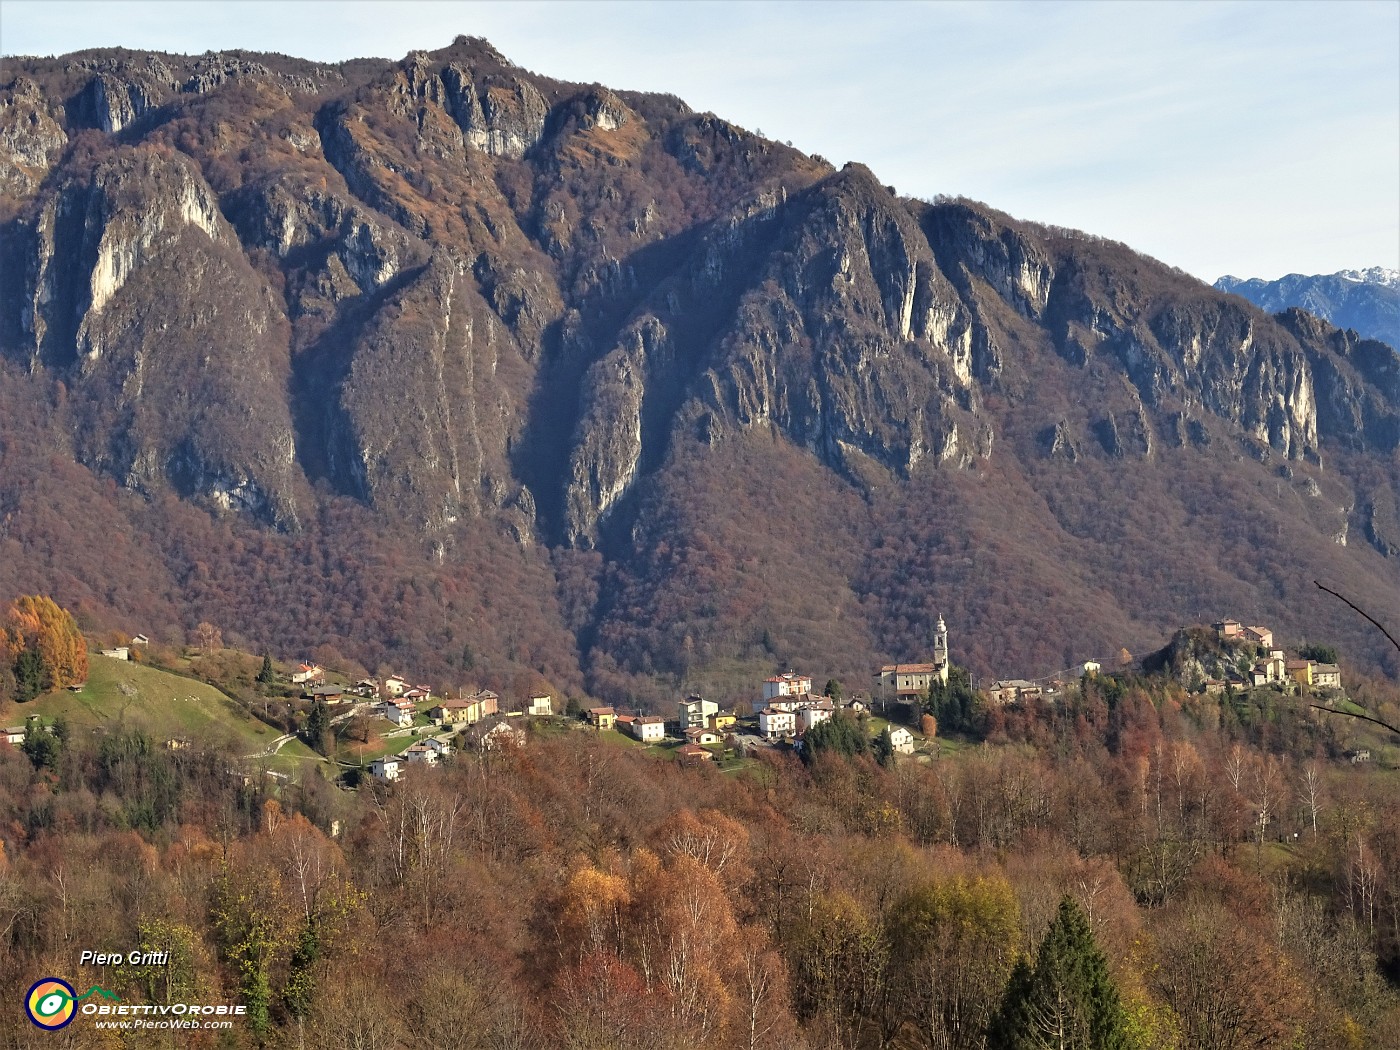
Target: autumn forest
1132	866
535	391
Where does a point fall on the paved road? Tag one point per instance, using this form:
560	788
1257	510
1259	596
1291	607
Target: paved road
281	741
273	747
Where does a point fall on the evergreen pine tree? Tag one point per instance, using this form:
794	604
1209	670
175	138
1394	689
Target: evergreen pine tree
40	745
266	676
318	725
936	703
29	675
1067	1001
842	734
882	748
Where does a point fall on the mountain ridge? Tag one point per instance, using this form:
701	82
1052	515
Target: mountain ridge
1367	301
479	324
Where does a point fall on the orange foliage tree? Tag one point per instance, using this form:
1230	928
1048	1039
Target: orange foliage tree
40	635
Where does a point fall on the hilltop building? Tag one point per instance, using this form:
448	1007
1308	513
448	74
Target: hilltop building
1226	629
1261	636
1234	631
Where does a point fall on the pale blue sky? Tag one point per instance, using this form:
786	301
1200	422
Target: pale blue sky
1254	138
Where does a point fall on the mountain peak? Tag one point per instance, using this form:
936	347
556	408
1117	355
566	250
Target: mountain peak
1380	275
1367	301
586	379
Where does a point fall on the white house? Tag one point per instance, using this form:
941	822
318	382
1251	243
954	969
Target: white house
394	685
121	652
788	684
693	711
307	673
387	768
649	729
421	753
1327	676
540	705
399	712
1275	668
902	739
814	713
14	735
773	723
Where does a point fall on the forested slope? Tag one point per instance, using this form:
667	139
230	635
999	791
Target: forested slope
1238	876
467	370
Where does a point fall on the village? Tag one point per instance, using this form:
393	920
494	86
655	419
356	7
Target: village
401	724
416	727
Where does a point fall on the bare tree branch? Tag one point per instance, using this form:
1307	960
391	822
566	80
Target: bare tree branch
1354	714
1379	626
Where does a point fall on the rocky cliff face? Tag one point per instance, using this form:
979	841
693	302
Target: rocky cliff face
137	292
31	138
453	292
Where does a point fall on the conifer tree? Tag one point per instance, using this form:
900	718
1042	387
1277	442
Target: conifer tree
41	746
29	675
882	748
1067	1000
842	735
318	727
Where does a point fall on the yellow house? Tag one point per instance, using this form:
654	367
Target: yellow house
1301	671
456	712
720	721
602	717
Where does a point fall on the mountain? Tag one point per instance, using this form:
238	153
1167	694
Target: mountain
1365	300
481	375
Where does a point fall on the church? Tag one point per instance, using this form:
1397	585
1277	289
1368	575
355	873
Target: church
909	683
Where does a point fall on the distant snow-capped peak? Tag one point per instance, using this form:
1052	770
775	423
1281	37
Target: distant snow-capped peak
1374	275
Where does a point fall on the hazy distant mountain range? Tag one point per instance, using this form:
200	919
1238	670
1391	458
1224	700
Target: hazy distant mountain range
479	374
1367	301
